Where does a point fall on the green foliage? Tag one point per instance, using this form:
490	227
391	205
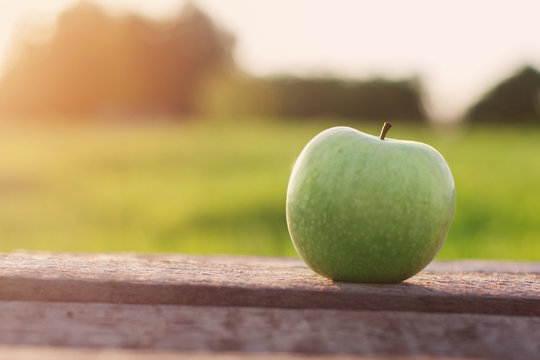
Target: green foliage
515	99
307	98
220	188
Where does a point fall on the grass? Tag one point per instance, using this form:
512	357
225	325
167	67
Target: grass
220	187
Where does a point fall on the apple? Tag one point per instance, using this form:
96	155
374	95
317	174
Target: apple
368	209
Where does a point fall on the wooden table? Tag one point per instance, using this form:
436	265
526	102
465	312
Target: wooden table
128	306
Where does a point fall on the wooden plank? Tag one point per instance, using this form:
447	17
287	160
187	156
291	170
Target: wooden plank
244	281
59	353
511	267
276	331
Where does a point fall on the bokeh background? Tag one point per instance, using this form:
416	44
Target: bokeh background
172	126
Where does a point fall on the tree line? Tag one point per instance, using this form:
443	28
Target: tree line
98	63
304	98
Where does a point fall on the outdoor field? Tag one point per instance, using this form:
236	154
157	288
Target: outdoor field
219	187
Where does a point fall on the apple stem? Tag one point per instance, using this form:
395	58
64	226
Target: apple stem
384	130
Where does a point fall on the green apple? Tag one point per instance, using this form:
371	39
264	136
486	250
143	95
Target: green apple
362	208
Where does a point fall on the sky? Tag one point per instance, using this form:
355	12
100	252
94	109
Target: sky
458	49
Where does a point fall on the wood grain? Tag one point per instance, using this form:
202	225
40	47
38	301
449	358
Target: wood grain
63	353
58	353
275	331
260	282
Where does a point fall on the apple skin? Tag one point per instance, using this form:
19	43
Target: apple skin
362	209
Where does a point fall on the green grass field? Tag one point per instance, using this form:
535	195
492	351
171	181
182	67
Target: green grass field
220	188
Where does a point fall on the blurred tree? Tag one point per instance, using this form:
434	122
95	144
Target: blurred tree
515	99
99	63
375	99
